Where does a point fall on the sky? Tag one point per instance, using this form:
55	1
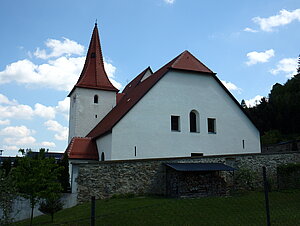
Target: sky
251	45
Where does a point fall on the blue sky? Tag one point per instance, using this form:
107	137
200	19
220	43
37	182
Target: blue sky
251	45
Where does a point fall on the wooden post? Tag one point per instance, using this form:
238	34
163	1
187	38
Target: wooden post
93	211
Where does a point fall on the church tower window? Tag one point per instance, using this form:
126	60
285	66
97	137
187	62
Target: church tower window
96	99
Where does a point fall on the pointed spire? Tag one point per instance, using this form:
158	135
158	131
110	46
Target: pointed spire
93	74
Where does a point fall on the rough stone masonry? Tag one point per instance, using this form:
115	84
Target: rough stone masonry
148	176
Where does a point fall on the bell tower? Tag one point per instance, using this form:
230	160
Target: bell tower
93	96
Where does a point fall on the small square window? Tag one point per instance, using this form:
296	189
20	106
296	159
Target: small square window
211	125
175	123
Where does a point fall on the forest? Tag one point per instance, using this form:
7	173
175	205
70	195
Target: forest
278	116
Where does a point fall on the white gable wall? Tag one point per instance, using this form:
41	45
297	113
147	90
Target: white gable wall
83	110
147	126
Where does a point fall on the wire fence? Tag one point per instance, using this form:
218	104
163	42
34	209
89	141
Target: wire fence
239	210
255	207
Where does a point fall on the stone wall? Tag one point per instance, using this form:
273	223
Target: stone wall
148	176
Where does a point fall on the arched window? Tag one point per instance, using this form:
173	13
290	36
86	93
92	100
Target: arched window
102	157
194	122
96	99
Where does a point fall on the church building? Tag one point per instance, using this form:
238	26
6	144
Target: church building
180	110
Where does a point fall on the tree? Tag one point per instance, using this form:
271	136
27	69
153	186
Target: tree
6	166
243	104
298	69
36	179
280	112
7	195
65	176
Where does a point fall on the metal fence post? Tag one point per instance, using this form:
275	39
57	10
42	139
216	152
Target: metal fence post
93	211
266	196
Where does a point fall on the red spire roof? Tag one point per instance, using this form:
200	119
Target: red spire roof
93	75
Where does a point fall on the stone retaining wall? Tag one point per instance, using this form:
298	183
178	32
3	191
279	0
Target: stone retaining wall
148	176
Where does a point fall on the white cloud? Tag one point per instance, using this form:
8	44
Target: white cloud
247	29
4	122
58	74
16	131
169	1
287	66
20	141
48	144
44	111
61	131
63	106
17	111
230	86
20	111
59	48
10	147
18	135
110	70
254	101
283	18
259	57
5	100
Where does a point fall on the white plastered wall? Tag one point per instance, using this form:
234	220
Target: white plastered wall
146	127
104	145
84	113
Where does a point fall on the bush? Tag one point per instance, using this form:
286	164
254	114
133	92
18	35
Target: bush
288	176
50	206
271	137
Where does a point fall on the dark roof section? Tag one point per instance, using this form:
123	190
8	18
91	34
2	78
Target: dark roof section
141	88
136	81
93	75
197	167
82	148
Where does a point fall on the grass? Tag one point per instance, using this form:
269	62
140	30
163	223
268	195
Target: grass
243	209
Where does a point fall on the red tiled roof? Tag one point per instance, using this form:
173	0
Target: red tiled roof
82	148
185	61
131	86
120	96
93	75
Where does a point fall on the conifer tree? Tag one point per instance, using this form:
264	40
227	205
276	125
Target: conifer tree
298	69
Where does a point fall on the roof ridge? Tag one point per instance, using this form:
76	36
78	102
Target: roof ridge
187	61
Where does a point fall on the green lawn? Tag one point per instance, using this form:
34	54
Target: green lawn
246	209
